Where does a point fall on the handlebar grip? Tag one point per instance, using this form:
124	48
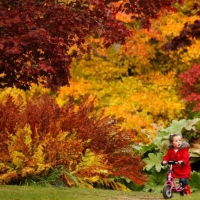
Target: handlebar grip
171	162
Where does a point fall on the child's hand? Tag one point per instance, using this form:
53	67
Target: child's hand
180	162
164	162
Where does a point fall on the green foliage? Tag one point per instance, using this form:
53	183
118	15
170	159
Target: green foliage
190	130
153	161
194	181
57	177
162	138
111	183
156	181
129	184
146	149
175	126
188	127
156	172
51	179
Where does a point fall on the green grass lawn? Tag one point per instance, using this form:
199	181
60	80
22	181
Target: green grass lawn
50	193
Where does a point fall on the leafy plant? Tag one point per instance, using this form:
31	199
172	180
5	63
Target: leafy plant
189	128
88	145
156	172
52	178
194	181
111	183
153	161
156	181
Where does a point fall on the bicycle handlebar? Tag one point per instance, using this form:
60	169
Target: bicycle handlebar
171	162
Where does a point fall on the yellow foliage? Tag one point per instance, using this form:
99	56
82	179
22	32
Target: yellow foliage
75	90
15	93
6	177
170	26
138	51
147	102
61	136
18	158
4	167
90	159
92	167
192	54
109	183
27	171
124	17
38	155
42	169
20	146
24	154
98	68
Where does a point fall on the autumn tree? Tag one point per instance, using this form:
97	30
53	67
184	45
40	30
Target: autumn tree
136	80
186	40
190	88
37	36
146	10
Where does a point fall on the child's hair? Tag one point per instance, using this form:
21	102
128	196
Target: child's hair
171	137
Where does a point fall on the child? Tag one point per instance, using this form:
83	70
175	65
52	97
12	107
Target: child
179	151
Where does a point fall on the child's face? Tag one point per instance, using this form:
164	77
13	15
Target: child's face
177	141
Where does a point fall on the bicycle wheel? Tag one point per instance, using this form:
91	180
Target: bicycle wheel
167	192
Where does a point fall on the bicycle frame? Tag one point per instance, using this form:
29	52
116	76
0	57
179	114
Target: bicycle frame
170	185
171	181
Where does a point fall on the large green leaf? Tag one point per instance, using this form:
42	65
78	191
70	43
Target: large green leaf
161	140
153	160
156	181
144	149
191	124
194	181
175	126
189	129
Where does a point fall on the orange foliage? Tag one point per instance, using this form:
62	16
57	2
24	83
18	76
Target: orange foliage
41	135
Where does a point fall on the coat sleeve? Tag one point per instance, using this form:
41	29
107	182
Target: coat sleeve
166	157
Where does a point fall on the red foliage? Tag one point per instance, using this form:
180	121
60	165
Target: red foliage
190	88
124	166
185	37
81	129
147	9
36	36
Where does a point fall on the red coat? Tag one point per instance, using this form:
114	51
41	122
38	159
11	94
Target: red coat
179	171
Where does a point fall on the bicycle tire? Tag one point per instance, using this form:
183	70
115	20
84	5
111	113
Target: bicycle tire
167	192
